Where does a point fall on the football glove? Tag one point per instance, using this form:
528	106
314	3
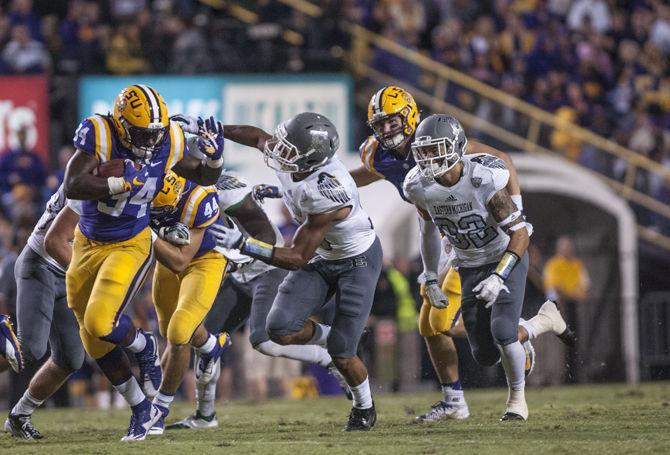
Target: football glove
262	191
176	234
489	289
188	124
133	179
226	237
210	141
435	295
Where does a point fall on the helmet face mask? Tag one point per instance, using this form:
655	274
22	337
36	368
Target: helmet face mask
302	144
143	141
435	157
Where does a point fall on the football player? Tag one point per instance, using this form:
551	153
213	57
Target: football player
393	117
42	313
112	250
247	295
186	280
10	347
335	250
466	198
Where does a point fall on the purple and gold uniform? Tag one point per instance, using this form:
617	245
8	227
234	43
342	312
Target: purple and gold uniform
112	250
386	163
182	300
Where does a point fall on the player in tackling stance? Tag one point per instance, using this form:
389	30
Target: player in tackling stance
335	250
465	198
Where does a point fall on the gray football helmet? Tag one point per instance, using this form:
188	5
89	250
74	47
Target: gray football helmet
439	143
302	144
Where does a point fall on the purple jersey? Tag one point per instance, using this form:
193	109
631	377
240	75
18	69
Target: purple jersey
386	163
198	208
122	216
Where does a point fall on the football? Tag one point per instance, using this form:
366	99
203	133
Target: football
111	168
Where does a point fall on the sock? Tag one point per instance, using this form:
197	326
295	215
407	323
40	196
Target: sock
138	343
163	399
131	392
306	353
26	405
362	395
453	393
320	336
208	345
530	328
514	362
205	394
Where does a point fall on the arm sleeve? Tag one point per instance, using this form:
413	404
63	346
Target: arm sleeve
430	247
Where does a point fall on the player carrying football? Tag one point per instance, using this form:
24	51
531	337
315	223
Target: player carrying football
112	250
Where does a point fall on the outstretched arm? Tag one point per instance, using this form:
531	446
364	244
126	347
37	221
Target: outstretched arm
247	135
364	177
196	170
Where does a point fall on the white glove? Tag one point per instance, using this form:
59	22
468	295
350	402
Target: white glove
226	237
489	288
177	234
188	124
435	295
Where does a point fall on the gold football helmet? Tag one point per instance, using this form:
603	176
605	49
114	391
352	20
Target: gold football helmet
141	119
170	194
393	116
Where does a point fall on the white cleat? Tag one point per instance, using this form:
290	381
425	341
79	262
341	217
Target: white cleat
517	409
549	311
195	422
443	410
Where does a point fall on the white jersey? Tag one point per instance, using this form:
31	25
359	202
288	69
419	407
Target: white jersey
327	189
54	205
232	189
461	212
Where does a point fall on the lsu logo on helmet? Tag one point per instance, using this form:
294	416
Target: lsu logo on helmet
170	194
140	119
396	107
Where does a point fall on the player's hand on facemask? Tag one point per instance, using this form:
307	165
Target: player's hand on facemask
489	289
226	237
190	125
435	295
262	191
210	141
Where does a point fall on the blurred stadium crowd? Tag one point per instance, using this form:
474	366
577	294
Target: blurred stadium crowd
602	64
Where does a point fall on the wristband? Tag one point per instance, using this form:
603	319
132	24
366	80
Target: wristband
214	164
116	185
257	249
506	264
516	198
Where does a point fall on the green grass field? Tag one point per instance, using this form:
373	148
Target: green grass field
604	419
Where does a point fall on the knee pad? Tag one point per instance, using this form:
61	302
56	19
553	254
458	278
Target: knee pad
503	333
277	325
97	326
425	327
70	361
181	327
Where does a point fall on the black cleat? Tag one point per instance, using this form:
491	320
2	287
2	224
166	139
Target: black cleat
568	337
511	416
361	419
22	427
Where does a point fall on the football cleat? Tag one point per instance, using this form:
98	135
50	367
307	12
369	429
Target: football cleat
141	422
159	426
195	422
558	324
443	410
332	369
509	416
22	427
10	347
207	363
150	366
361	419
530	358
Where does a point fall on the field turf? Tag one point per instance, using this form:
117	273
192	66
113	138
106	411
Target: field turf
602	419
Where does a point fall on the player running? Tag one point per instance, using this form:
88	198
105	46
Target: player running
247	295
393	117
335	250
42	313
112	250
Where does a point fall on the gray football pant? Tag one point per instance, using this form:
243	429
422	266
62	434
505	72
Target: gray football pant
498	325
42	312
353	282
237	301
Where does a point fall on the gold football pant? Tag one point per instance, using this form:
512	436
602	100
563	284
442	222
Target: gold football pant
101	280
183	300
433	321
